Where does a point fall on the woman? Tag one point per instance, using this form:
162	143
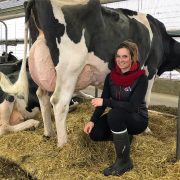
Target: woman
124	92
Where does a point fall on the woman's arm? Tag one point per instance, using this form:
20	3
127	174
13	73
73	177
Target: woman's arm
105	95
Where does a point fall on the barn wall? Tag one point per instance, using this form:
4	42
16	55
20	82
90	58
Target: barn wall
15	32
167	11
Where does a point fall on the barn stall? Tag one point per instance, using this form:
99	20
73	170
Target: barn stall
29	156
154	155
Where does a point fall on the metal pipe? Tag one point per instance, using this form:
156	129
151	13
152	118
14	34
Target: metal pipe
178	133
6	33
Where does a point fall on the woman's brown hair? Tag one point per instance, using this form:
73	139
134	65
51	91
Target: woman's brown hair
133	49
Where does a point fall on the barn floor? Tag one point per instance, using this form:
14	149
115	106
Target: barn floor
27	155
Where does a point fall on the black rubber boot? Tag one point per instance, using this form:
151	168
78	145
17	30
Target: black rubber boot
130	138
123	162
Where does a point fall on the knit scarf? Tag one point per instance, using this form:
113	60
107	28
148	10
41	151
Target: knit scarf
128	78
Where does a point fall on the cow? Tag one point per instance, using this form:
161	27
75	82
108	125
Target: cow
10	57
15	114
81	38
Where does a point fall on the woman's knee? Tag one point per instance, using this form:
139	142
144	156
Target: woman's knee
116	113
116	120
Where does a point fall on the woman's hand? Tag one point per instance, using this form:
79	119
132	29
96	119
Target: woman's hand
88	127
97	102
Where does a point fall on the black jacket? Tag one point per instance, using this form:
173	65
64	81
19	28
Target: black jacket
129	98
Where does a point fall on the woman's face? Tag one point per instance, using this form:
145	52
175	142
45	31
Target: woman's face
123	59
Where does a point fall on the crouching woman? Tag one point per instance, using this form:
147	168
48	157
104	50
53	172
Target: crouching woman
124	92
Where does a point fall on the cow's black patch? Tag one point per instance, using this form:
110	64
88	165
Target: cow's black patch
5	96
53	30
2	95
45	20
128	12
32	99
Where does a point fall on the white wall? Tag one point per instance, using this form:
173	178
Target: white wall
15	31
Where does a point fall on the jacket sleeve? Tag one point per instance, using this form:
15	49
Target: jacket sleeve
136	98
105	95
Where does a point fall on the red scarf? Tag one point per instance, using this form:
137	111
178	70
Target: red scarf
128	78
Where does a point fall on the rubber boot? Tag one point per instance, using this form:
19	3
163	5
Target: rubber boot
123	162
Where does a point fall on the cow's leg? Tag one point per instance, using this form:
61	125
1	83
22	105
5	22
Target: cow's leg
6	109
149	89
5	113
44	101
148	96
65	85
24	125
60	101
21	106
83	95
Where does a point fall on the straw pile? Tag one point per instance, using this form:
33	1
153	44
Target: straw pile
153	154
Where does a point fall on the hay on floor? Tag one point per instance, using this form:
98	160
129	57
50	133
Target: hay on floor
153	154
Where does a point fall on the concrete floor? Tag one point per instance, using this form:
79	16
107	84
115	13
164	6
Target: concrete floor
164	99
156	98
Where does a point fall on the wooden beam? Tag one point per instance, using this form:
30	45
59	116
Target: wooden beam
174	33
11	13
110	1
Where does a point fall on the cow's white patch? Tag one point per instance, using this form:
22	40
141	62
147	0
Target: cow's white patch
143	19
44	101
148	93
69	2
95	70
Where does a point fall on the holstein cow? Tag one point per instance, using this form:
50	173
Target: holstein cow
81	37
15	113
16	103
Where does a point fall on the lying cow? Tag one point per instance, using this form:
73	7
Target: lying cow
81	37
15	115
10	57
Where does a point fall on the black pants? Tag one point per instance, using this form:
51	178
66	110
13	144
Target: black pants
117	120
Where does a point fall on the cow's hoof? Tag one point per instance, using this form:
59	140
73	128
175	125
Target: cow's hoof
62	144
31	128
46	137
148	131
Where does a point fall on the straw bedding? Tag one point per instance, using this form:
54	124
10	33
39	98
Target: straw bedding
27	155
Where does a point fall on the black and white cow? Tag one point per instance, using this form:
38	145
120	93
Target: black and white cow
15	113
82	37
10	57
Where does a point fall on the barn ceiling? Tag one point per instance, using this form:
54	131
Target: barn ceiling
14	8
11	9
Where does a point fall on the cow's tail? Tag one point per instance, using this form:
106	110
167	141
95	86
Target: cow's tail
28	8
22	85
